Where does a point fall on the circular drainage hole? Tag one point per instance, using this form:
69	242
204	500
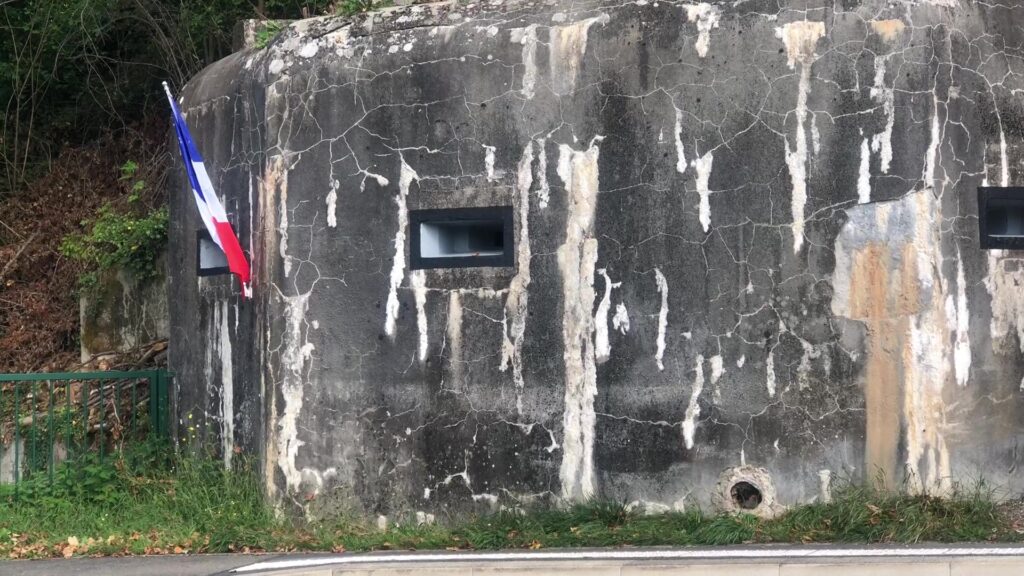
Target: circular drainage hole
745	495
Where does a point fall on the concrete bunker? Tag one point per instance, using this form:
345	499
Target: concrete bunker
741	239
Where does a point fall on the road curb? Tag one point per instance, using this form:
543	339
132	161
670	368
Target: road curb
724	561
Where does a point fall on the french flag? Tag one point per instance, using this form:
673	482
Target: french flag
210	208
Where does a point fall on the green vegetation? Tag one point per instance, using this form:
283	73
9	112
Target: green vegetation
267	32
151	502
131	238
118	240
74	70
352	7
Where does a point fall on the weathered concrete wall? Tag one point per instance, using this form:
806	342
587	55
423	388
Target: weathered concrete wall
122	313
746	235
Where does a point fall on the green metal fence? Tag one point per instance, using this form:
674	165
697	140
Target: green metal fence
50	418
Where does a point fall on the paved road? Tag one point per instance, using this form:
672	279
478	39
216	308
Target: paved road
202	565
722	561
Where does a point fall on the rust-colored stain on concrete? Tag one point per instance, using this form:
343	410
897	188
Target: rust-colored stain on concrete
885	315
889	30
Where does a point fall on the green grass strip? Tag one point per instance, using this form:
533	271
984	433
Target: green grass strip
152	502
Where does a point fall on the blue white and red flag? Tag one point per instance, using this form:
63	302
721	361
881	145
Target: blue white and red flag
210	208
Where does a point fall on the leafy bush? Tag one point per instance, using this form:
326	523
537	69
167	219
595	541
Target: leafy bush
119	240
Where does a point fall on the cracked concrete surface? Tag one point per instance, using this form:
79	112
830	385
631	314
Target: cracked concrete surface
776	198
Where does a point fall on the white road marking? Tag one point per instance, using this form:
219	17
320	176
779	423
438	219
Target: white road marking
626	555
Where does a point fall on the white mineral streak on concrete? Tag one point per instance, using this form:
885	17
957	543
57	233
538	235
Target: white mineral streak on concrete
489	163
227	388
516	304
706	16
800	39
381	180
620	321
568	47
769	377
659	278
703	167
932	155
282	219
528	38
880	92
408	176
680	151
803	370
208	353
418	282
602	346
490	499
864	177
693	409
578	170
454	335
890	31
543	189
1004	160
464	474
717	367
332	206
815	135
295	353
825	485
962	345
252	228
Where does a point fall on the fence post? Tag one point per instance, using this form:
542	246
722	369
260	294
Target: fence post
165	398
158	402
153	395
